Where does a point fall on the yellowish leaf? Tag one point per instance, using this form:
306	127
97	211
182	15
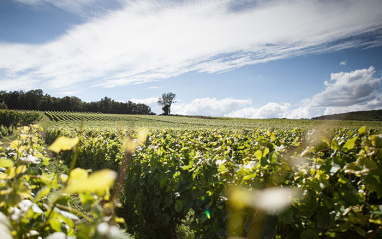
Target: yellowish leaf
21	169
266	151
63	143
6	163
350	143
64	177
78	174
362	130
273	136
9	173
258	154
119	219
15	144
23	189
43	192
99	181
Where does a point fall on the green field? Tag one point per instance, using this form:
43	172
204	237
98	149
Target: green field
117	121
197	177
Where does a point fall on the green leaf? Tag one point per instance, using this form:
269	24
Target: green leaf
23	188
350	143
266	151
286	216
63	143
6	163
42	192
55	224
258	154
361	166
374	181
308	234
362	130
99	181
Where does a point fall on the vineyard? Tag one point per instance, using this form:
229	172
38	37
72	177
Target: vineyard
194	177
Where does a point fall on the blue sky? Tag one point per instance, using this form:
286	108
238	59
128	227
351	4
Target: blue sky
242	58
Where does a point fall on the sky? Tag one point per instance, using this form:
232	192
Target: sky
230	58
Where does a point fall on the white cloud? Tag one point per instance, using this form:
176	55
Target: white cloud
357	90
209	106
343	63
346	91
152	102
270	110
149	40
148	101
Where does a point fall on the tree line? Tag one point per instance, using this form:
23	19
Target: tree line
37	100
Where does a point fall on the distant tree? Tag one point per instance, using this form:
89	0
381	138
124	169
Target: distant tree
165	101
36	100
32	99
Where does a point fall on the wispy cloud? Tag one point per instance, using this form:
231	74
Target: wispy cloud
145	40
343	63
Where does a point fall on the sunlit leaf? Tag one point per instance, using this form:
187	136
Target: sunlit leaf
266	152
361	166
78	174
23	188
97	182
15	144
42	193
6	163
258	154
63	143
362	130
350	143
21	169
64	177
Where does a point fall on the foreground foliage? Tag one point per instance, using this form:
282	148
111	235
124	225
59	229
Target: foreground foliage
225	182
36	200
18	117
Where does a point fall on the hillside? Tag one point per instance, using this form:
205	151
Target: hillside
371	115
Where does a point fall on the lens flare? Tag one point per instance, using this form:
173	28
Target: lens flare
208	214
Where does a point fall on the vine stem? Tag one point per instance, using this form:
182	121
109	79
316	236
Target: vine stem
375	233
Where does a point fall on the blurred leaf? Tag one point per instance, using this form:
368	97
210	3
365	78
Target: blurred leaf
23	188
63	143
5	227
15	144
6	163
308	234
362	130
361	166
21	169
78	174
42	192
97	182
350	143
258	154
